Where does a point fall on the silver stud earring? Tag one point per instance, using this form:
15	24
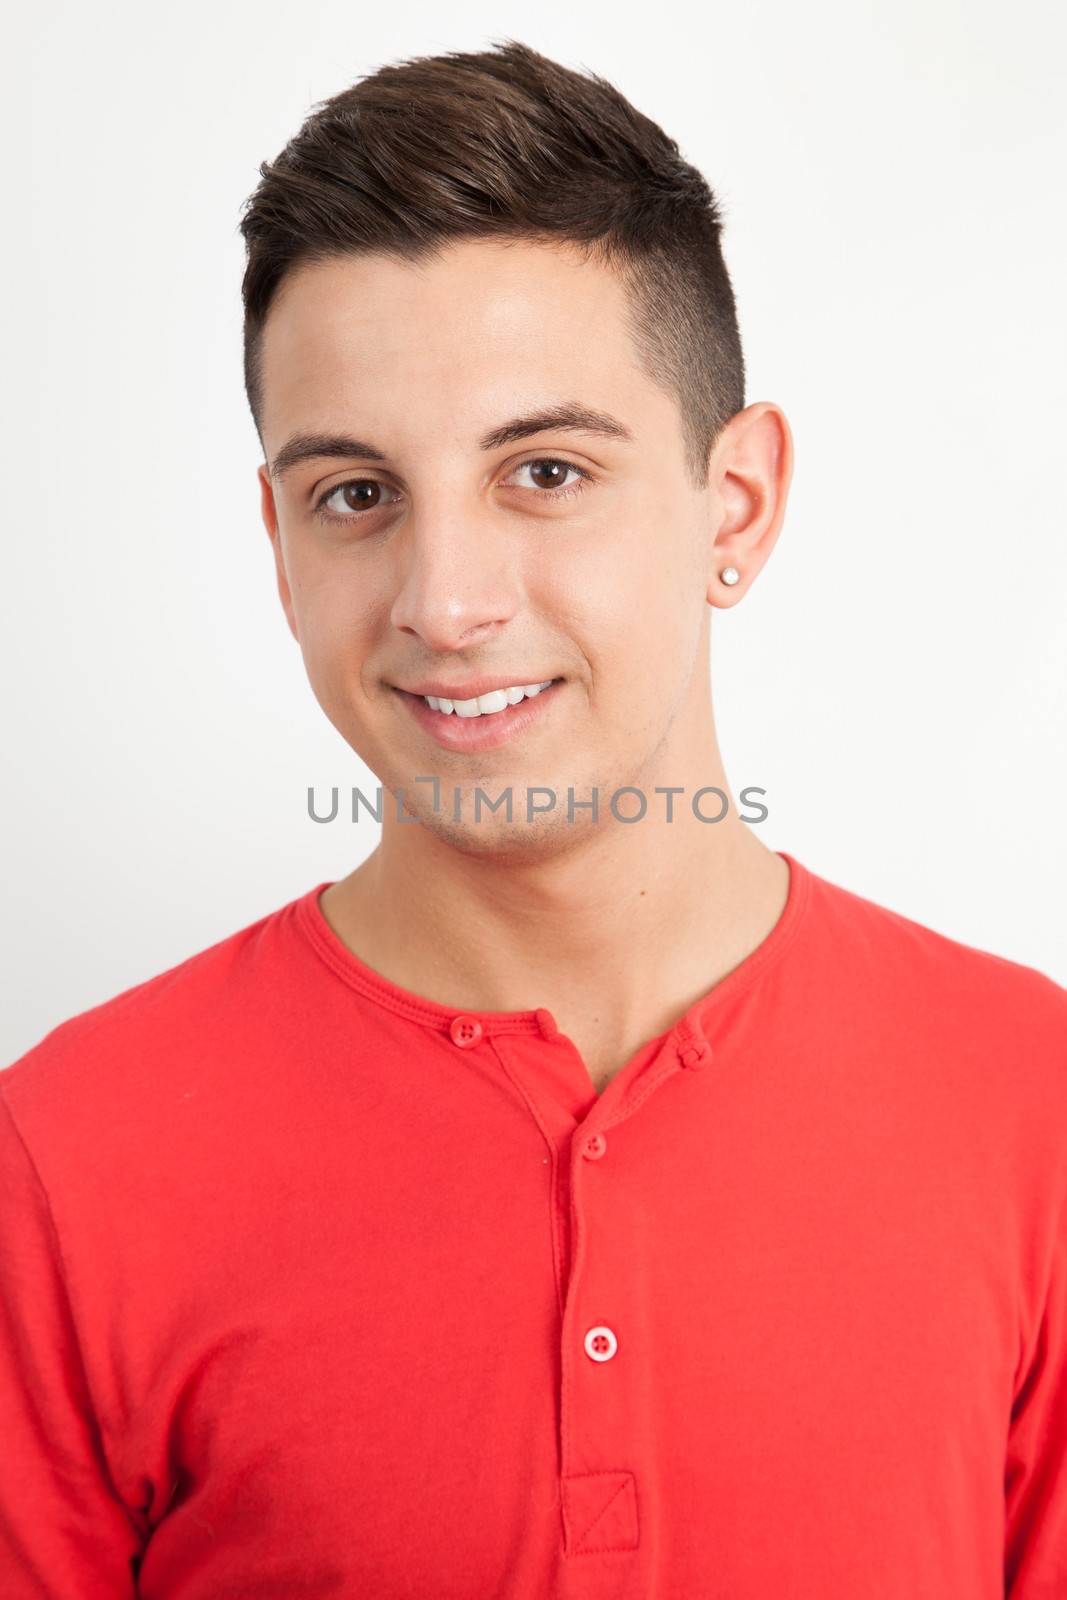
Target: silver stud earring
730	575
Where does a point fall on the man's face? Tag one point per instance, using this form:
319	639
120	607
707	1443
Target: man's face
567	555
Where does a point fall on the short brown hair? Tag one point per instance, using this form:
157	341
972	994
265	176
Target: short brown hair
507	143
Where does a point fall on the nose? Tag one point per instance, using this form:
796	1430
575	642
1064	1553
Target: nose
457	580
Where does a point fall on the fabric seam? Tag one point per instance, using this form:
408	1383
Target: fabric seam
59	1259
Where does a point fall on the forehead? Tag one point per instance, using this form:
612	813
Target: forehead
484	327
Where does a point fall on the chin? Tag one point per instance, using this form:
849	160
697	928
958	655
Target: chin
495	839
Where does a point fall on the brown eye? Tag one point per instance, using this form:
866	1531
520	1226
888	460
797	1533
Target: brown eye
549	474
345	502
362	494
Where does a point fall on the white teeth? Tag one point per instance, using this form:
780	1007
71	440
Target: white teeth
487	704
495	700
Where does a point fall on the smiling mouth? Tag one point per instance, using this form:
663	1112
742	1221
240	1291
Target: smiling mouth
484	705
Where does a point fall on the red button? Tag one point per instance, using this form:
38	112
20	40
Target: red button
694	1055
594	1147
465	1031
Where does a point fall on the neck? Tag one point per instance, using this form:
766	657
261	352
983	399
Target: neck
617	933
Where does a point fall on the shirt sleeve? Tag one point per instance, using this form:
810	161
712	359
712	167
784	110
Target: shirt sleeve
65	1534
1035	1482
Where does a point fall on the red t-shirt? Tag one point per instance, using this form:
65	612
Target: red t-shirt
313	1287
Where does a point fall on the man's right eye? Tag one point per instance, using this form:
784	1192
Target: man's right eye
357	495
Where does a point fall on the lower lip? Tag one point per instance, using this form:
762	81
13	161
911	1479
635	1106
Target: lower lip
454	732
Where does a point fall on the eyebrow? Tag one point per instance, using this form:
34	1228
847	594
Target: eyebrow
569	417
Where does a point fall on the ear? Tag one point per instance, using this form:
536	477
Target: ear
269	512
750	468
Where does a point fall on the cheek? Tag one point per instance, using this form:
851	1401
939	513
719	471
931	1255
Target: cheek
335	610
636	611
633	590
335	590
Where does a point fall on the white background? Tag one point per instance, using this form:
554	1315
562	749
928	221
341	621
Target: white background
892	183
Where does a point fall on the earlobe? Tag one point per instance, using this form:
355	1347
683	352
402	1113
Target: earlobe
284	593
727	578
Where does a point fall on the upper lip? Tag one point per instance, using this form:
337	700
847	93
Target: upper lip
469	690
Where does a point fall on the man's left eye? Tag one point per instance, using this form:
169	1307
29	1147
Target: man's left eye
551	473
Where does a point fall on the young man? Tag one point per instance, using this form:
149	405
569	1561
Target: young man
585	1201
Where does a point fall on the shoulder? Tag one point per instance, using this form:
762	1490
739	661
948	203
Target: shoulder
124	1044
925	979
957	1042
